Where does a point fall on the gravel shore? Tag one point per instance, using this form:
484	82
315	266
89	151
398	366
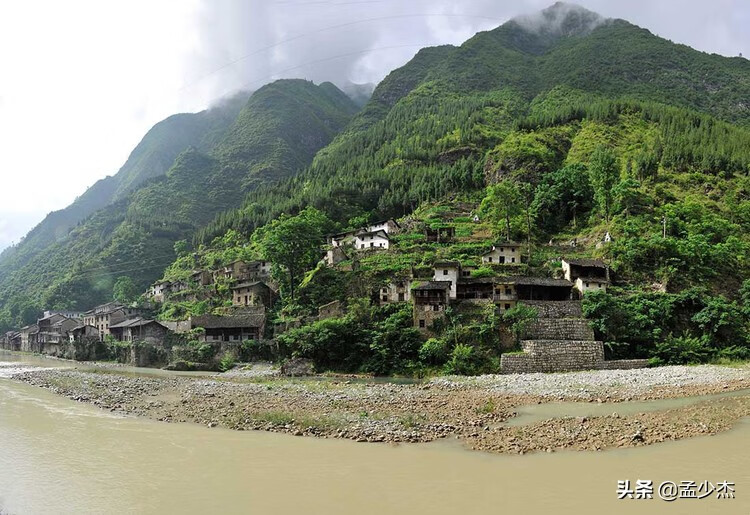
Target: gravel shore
472	409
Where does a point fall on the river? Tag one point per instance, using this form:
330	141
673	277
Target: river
58	456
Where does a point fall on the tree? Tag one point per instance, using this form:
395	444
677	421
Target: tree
562	197
605	175
502	202
293	244
124	290
181	248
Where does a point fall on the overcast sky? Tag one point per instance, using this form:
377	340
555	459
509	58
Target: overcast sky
81	81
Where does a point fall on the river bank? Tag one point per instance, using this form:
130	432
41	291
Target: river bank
474	410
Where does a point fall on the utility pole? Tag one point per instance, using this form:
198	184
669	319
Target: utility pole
664	227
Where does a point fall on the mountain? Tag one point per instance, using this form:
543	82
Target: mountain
152	157
430	123
275	134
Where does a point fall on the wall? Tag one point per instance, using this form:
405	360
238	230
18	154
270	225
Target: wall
560	329
554	356
556	309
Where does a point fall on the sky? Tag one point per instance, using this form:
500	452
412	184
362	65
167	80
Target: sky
82	81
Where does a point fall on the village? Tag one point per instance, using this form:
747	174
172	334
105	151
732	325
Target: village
558	339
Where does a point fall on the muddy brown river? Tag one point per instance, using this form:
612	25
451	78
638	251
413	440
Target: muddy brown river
58	456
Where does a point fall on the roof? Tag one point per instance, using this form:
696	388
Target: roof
506	244
535	281
446	263
600	280
476	280
82	326
597	263
433	285
228	322
250	285
380	222
134	322
379	232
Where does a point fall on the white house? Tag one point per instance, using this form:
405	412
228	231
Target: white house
586	274
372	240
448	271
386	227
508	252
585	284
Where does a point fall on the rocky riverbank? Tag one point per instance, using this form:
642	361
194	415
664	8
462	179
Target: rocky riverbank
473	410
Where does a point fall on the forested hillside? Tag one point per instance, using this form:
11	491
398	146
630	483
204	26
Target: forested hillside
152	157
275	135
555	130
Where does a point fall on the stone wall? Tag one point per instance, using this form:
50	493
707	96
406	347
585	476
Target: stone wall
556	309
560	329
554	356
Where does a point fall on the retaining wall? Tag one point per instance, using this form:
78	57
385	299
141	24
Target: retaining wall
556	309
560	329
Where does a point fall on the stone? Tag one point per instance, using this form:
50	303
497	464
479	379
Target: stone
296	367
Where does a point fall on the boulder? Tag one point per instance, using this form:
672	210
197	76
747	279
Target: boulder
296	367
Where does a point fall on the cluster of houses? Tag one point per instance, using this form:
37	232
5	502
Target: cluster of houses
254	292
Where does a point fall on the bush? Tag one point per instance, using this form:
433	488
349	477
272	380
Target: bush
462	361
434	352
683	350
228	361
194	352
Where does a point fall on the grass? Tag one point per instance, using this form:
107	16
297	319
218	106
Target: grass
301	420
486	408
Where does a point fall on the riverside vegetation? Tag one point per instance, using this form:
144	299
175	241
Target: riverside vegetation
560	131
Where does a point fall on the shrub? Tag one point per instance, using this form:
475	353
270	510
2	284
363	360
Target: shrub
461	361
228	361
434	352
682	350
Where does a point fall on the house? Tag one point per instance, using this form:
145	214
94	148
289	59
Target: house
202	278
83	332
372	240
330	310
334	256
231	328
469	288
448	271
586	274
140	330
234	271
106	315
430	300
508	252
440	234
387	227
54	332
66	314
398	290
29	338
13	340
255	293
159	291
541	288
505	293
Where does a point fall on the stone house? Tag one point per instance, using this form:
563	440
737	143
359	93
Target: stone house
335	255
82	332
586	274
159	291
440	234
469	288
231	328
398	290
430	300
330	310
388	227
508	252
29	338
12	340
448	271
255	293
106	315
140	330
202	278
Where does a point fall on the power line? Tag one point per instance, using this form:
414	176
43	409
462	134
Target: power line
326	29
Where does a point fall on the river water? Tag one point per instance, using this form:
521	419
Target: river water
58	456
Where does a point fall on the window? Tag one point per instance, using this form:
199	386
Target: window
445	272
372	244
507	306
508	291
401	297
385	298
512	260
363	246
421	324
489	259
587	285
435	307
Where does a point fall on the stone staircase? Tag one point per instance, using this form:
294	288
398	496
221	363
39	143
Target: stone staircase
560	340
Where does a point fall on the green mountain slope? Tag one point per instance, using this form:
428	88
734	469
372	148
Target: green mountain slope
152	157
429	123
275	135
